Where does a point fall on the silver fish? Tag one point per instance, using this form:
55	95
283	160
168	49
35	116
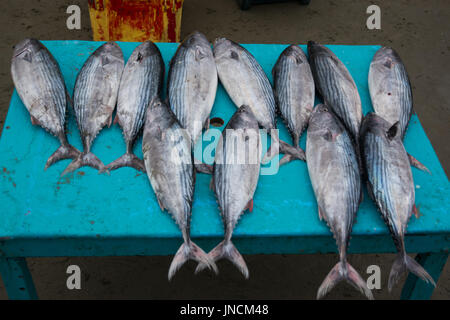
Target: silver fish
192	84
142	81
40	85
391	186
294	92
94	98
335	177
170	170
235	177
336	86
391	93
247	84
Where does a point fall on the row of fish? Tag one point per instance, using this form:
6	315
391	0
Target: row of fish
340	141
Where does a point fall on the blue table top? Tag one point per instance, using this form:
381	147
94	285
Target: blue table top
38	204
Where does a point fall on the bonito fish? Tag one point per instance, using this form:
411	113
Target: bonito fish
335	177
247	84
391	93
391	186
169	164
192	84
94	98
142	81
294	92
235	177
336	86
40	85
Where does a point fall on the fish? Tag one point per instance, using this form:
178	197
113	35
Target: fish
235	178
169	165
192	84
246	83
40	85
94	100
337	87
334	171
391	93
141	81
294	92
391	186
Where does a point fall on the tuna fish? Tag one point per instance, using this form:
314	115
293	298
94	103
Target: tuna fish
141	82
40	86
247	84
170	170
235	177
192	84
336	86
391	186
294	92
334	171
94	98
391	93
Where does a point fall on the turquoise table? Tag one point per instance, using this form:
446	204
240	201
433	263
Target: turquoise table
87	214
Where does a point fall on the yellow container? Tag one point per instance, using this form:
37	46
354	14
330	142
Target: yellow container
136	20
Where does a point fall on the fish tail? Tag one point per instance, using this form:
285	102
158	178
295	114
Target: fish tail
227	250
291	152
65	151
127	160
189	250
343	271
404	263
85	159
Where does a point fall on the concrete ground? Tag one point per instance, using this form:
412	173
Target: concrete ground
417	29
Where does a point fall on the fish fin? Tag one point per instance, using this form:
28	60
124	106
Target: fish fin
270	154
329	136
85	159
227	250
204	168
211	184
321	216
63	152
343	271
416	163
296	152
109	120
207	123
404	263
199	54
392	131
286	159
34	121
249	205
160	204
190	251
416	211
116	119
127	160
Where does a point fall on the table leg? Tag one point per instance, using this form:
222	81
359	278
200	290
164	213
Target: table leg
417	289
17	278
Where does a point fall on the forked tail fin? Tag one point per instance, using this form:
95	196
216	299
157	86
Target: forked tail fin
127	160
190	251
227	250
343	271
404	263
65	151
85	159
291	152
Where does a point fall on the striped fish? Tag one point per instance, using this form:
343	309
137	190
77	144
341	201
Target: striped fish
247	84
141	82
170	170
192	84
335	177
294	92
336	86
235	177
391	93
40	85
94	98
391	186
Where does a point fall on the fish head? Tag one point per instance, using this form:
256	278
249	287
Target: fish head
145	49
378	126
295	53
110	54
324	123
243	118
386	57
227	49
196	38
315	49
26	49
